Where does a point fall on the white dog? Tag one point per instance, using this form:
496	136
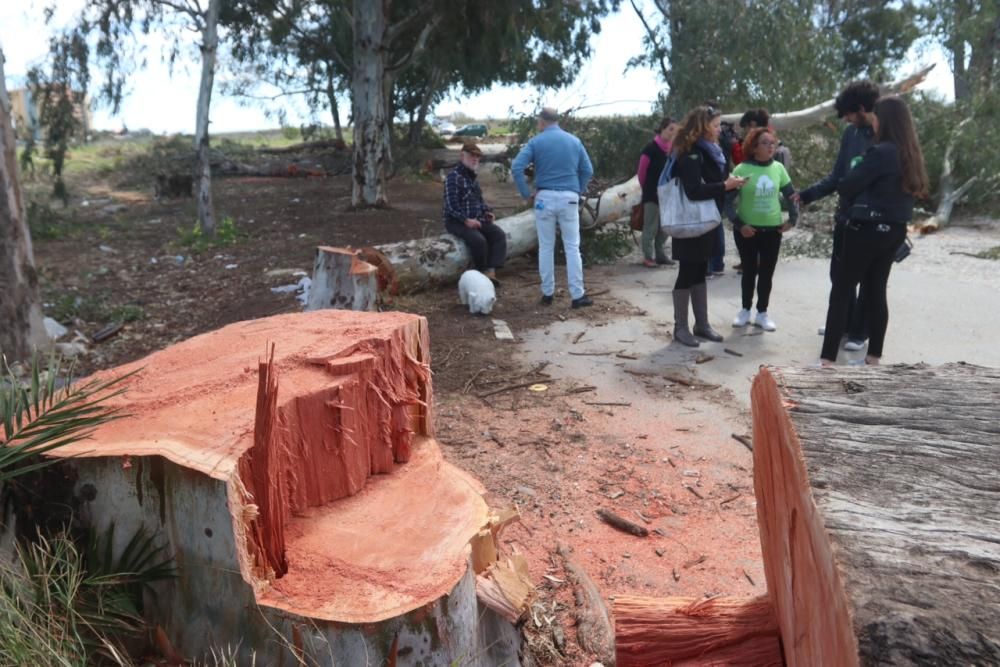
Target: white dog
477	291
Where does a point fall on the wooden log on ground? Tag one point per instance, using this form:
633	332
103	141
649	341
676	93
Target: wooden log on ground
421	263
343	281
877	498
695	631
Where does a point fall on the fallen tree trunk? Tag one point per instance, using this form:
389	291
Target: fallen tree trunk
876	499
420	263
950	195
682	631
818	113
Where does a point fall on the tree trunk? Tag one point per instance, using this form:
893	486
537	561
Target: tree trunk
685	632
949	195
331	94
371	150
209	47
818	113
877	500
342	280
20	303
416	129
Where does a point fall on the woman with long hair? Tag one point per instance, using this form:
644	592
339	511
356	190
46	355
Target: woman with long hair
880	191
704	175
652	160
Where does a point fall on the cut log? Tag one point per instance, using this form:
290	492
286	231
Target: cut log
695	631
877	499
818	113
343	281
421	263
949	195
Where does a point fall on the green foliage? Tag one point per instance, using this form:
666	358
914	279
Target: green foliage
290	133
613	142
39	417
60	605
605	244
991	253
61	86
225	234
45	223
781	54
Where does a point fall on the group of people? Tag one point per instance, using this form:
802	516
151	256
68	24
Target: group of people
878	173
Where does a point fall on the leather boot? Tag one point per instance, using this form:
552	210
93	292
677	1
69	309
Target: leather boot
699	304
681	332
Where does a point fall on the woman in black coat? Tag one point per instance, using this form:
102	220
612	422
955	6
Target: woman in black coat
704	174
880	190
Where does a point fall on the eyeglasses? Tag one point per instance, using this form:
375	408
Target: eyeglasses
767	143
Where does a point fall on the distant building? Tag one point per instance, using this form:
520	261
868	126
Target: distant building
26	109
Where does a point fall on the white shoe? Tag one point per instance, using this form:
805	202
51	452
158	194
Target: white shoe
764	322
742	318
854	345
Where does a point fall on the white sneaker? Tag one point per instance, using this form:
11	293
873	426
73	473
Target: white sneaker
764	322
854	345
742	318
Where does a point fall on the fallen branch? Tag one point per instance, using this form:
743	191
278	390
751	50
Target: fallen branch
510	387
622	524
609	403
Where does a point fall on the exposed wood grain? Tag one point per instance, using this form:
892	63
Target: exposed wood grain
878	498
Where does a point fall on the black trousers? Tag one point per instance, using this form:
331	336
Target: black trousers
857	321
690	273
487	245
868	253
759	256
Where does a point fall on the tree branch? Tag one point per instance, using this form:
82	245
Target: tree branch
400	65
658	48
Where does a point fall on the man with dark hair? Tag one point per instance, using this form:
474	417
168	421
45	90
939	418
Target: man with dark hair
855	104
467	216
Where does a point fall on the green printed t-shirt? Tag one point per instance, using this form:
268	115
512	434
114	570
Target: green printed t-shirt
759	203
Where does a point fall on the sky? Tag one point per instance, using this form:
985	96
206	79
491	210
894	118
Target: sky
164	101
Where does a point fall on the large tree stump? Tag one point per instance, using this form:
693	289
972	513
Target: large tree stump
290	467
689	632
878	500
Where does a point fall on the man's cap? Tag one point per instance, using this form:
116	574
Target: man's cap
472	149
549	114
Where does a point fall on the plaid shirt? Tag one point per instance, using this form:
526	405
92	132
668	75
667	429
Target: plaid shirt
463	199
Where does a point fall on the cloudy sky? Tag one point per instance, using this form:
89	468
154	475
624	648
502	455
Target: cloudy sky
164	101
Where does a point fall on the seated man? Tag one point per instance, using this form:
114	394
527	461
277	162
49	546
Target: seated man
468	217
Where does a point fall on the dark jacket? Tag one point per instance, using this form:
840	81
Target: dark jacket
463	198
701	179
873	189
657	161
853	144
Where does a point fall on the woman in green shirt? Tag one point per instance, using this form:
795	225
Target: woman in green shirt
757	221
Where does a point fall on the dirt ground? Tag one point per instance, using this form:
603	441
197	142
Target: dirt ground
607	428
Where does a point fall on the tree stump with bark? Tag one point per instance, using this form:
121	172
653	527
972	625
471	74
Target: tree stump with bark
342	280
877	498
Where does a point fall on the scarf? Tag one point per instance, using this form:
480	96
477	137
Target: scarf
715	150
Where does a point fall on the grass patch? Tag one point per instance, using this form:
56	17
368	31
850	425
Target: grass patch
990	253
226	234
808	243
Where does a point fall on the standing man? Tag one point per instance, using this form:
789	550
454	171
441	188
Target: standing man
467	216
855	104
562	171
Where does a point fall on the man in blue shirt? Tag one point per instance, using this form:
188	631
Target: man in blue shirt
562	171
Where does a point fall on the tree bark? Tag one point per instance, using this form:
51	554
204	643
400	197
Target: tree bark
816	114
331	94
342	280
20	302
209	49
949	195
876	500
371	150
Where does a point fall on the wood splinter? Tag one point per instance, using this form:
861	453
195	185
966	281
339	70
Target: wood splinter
622	524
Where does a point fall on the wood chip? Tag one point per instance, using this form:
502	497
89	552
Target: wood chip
694	491
749	578
576	338
743	439
703	358
730	499
732	352
622	355
673	571
608	403
697	561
